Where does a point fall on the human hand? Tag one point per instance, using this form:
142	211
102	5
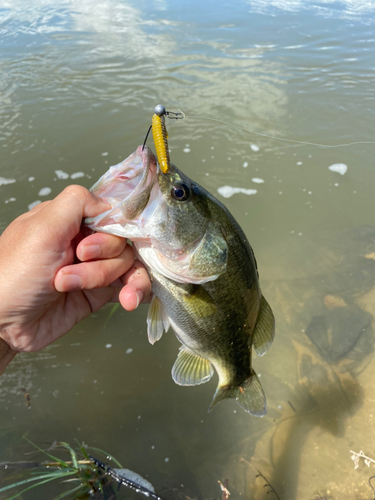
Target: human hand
52	276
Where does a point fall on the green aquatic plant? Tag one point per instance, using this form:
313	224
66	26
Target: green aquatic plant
111	313
80	469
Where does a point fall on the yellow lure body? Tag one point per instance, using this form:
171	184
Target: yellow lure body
160	135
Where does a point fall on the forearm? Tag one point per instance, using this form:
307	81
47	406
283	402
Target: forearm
6	355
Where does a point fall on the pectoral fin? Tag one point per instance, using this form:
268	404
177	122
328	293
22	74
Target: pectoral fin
249	395
264	332
157	320
191	369
205	262
210	257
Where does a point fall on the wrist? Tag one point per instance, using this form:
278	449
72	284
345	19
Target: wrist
6	355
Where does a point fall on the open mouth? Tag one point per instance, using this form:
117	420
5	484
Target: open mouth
126	178
126	186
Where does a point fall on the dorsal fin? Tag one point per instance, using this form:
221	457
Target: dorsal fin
264	331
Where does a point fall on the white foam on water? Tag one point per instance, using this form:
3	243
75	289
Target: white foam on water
264	46
77	175
186	150
105	153
254	147
257	180
61	175
31	179
128	351
10	199
108	346
299	163
4	181
245	165
228	191
45	191
34	204
340	168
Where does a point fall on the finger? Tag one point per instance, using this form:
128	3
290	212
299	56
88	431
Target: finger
130	297
138	270
137	287
100	296
100	246
94	274
72	205
90	204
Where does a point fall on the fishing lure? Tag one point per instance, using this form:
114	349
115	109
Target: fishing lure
160	135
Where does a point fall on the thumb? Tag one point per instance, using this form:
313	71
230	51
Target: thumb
63	215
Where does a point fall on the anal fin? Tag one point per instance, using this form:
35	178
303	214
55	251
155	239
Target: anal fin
157	320
191	369
264	331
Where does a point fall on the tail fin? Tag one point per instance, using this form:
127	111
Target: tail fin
249	395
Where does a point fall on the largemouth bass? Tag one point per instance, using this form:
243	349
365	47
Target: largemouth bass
203	271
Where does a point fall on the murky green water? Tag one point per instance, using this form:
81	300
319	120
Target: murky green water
79	84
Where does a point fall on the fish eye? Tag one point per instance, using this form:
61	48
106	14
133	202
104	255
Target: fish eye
180	192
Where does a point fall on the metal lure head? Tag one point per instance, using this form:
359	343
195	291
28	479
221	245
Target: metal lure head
160	110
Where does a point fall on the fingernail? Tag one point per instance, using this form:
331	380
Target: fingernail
139	294
70	282
92	252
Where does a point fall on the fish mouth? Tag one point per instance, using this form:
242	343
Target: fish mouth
126	178
126	187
